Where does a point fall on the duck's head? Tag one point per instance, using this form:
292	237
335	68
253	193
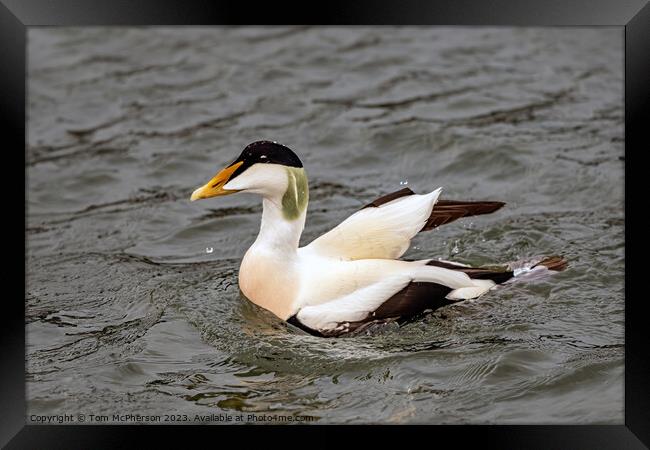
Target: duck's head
263	167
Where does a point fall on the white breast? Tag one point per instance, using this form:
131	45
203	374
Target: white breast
269	281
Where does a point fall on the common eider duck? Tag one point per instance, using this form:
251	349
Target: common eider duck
352	276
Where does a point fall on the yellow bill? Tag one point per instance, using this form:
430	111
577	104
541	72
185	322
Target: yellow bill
214	187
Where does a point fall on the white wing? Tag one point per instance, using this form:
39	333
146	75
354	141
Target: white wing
353	307
359	305
383	232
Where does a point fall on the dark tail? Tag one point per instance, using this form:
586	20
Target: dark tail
555	263
521	269
529	269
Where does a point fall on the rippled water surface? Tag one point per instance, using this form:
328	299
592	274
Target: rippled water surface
129	310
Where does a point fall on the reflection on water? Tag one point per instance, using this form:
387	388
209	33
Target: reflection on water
132	299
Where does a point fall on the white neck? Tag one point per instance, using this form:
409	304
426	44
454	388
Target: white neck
278	234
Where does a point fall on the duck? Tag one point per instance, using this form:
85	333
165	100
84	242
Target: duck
351	277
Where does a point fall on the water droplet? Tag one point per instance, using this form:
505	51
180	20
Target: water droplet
455	250
403	183
209	249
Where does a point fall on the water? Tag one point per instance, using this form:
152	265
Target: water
128	310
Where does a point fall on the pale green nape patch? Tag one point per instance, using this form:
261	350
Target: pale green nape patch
294	200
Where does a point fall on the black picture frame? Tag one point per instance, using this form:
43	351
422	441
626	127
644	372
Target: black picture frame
633	15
